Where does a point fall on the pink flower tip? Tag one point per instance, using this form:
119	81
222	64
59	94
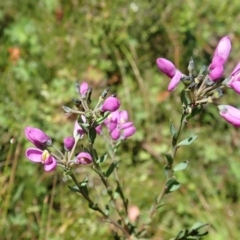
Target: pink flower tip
83	158
223	48
37	137
83	89
110	104
166	67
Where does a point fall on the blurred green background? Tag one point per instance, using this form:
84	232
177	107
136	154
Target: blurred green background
47	45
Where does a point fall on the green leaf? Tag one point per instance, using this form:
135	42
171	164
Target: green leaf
195	112
173	129
74	188
166	170
92	135
188	141
102	158
169	159
111	169
172	185
185	98
180	166
198	225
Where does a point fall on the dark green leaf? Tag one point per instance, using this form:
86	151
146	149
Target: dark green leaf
180	166
188	141
92	135
111	169
169	159
172	185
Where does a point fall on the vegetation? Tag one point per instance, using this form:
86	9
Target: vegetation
47	45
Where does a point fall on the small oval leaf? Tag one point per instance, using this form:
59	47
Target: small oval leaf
188	141
180	166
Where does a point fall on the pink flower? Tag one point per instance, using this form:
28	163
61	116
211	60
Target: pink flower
68	143
234	80
119	127
99	129
170	70
83	158
39	156
223	49
111	104
37	137
83	89
230	114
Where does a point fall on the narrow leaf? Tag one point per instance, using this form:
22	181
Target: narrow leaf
102	158
172	129
172	185
111	169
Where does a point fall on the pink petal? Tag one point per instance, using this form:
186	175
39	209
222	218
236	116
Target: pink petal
50	164
166	67
175	81
34	154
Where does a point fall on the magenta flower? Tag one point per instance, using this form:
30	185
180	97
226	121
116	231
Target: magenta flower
230	114
234	80
83	89
111	104
68	143
170	70
83	158
118	125
39	156
223	49
37	137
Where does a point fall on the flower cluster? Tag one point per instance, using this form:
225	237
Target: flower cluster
106	111
207	85
118	125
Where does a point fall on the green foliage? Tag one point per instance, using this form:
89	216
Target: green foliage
47	45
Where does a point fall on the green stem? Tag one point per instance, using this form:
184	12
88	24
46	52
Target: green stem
97	208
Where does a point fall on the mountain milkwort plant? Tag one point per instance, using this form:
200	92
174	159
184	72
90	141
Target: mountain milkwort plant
199	90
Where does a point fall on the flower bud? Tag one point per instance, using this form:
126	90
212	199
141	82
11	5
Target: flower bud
166	67
111	104
68	143
230	114
37	137
83	89
83	158
223	48
78	130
